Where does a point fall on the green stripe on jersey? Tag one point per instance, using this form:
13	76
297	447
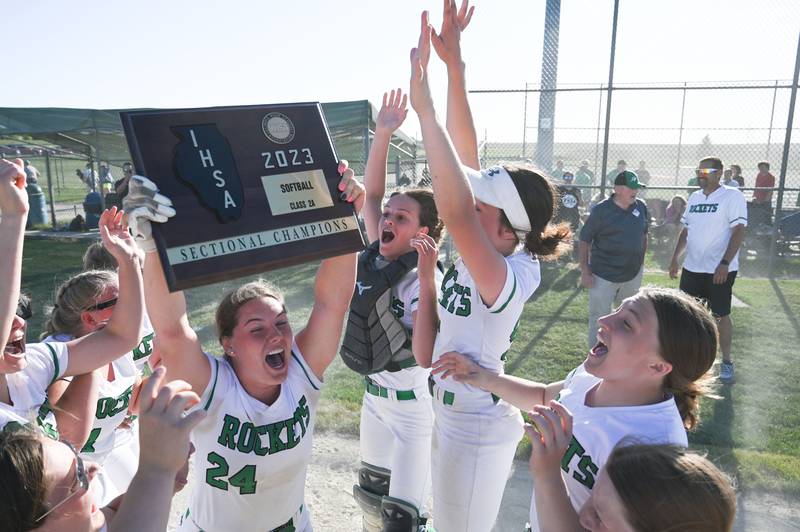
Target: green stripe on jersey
55	362
513	291
303	367
213	386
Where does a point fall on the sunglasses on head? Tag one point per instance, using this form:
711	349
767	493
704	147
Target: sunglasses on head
103	305
80	485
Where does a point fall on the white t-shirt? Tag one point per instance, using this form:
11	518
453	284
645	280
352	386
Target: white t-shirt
251	459
467	325
597	430
710	221
28	388
405	300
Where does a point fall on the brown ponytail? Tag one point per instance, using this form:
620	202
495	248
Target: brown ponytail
545	240
688	338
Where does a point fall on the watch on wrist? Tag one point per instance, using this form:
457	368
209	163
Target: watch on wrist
724	262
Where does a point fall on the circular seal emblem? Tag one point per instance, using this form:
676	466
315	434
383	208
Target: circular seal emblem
278	128
569	201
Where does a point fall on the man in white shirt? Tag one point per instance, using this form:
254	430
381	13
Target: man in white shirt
714	222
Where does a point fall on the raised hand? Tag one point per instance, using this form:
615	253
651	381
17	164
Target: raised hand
461	368
393	111
115	236
145	205
352	191
420	92
13	198
163	428
550	438
447	42
428	254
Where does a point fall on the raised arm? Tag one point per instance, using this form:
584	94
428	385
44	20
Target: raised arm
74	405
447	44
333	289
680	246
122	332
451	190
177	343
522	393
391	116
13	214
425	318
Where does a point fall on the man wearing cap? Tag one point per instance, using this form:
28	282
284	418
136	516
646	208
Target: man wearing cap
612	248
714	223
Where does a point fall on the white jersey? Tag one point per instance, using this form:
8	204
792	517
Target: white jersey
405	300
141	353
467	325
251	459
597	430
710	221
28	388
112	405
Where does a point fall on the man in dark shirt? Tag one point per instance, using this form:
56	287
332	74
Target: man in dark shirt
612	249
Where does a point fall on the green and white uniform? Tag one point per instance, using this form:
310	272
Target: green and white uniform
28	388
474	433
597	430
114	448
251	458
396	428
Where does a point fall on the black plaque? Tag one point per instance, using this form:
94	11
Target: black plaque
254	187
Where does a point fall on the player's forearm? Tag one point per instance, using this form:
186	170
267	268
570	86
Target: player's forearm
425	324
737	236
460	124
522	393
145	506
451	189
126	320
166	311
12	235
583	256
553	507
76	407
375	180
336	278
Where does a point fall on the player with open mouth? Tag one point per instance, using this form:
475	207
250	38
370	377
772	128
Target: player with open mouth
253	447
640	383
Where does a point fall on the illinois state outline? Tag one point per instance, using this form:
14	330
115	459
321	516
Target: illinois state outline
204	161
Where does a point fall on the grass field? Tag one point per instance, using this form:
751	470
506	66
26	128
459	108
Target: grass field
753	430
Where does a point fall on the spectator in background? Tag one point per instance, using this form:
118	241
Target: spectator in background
612	249
89	177
727	179
558	172
121	185
404	180
714	223
643	173
675	210
31	173
737	175
106	179
570	199
763	179
612	175
584	178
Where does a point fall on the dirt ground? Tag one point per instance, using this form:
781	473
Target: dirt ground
333	471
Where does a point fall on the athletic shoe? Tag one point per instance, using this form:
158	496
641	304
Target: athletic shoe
726	373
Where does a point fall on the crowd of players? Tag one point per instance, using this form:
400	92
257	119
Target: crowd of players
120	379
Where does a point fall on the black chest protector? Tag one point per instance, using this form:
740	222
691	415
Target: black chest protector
375	339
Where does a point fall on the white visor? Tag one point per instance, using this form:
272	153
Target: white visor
495	187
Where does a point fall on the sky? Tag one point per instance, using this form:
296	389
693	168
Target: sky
178	53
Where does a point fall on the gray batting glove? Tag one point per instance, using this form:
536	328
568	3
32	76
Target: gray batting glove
144	205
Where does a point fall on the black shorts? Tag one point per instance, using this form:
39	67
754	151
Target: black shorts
702	285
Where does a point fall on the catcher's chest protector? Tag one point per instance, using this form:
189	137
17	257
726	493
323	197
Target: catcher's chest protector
374	339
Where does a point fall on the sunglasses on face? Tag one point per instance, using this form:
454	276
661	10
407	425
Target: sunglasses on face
103	305
80	485
705	172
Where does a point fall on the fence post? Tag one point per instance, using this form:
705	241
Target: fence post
525	124
50	187
597	136
784	161
771	119
397	170
680	136
608	100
